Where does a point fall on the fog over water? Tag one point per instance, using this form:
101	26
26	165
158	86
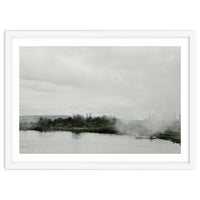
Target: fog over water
125	82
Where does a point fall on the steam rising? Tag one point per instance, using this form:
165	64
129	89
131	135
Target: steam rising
146	127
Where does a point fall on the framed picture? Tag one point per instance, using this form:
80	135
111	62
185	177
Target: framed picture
99	99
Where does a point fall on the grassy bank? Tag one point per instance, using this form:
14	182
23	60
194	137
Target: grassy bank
109	130
172	136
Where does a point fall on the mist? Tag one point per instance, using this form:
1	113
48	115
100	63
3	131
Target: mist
146	127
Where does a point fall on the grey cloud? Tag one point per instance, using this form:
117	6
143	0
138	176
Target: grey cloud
123	81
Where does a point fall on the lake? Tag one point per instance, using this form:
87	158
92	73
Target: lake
34	142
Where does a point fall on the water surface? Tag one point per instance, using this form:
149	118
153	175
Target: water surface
67	142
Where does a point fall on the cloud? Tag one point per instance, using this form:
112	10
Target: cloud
123	81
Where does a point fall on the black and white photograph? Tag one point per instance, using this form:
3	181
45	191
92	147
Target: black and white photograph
100	99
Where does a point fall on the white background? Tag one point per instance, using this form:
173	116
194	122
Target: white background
92	14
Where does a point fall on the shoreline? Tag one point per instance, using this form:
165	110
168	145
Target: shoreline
169	136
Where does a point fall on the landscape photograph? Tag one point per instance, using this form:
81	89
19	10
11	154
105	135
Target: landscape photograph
100	100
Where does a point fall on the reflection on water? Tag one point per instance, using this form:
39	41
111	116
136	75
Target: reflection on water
76	135
67	142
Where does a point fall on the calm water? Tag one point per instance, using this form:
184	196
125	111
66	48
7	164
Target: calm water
67	142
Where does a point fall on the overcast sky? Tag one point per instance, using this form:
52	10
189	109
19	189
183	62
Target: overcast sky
126	82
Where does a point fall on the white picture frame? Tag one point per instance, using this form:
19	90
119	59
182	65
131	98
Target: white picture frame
14	39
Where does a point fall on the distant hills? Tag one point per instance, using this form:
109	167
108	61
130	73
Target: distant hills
35	118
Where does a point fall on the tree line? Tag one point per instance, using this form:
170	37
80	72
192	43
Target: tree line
76	123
